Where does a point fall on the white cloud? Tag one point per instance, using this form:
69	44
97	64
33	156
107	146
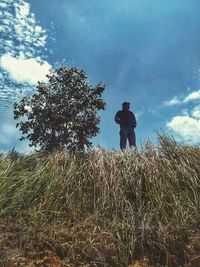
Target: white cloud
25	70
19	25
139	114
22	51
185	112
180	100
23	10
192	96
196	112
187	127
38	29
22	63
172	102
3	5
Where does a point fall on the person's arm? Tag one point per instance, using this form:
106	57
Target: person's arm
117	117
134	120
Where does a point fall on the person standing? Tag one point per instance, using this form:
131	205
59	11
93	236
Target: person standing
126	119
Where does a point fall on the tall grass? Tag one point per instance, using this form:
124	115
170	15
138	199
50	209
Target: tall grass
106	207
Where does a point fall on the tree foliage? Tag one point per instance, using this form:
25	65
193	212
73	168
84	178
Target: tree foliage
63	111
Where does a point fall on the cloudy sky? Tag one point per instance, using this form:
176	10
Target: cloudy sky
147	52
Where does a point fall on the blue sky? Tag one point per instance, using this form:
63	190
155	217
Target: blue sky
147	52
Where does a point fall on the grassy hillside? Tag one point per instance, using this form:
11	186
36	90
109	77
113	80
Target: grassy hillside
105	208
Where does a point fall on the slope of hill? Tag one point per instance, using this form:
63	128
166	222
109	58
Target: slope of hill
104	208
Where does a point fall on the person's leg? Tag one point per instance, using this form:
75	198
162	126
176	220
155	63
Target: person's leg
131	137
123	138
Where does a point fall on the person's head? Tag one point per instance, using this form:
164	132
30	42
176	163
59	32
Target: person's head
125	106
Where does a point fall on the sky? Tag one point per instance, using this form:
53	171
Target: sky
146	52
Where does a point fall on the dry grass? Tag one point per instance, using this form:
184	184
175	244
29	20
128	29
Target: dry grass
105	208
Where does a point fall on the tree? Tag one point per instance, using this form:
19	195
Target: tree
63	111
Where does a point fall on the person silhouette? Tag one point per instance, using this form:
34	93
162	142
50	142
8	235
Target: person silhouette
126	119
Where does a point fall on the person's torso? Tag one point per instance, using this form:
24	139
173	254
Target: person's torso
126	118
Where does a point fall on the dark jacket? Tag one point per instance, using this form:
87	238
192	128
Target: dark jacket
126	119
